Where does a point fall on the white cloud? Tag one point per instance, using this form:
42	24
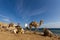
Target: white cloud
5	18
51	25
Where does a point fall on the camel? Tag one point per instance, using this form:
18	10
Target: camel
12	28
22	31
48	32
11	25
35	24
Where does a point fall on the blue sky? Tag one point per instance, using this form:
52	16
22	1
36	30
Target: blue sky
25	11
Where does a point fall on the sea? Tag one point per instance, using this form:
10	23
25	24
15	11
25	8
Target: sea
54	30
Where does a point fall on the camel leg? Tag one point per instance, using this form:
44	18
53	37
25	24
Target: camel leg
30	28
35	30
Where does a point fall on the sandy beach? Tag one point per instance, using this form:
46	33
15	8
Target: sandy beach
27	36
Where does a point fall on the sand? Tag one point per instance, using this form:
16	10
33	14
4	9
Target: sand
27	36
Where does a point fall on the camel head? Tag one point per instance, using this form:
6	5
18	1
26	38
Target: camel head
41	22
11	25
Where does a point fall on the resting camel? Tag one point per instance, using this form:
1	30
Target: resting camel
35	24
48	33
12	28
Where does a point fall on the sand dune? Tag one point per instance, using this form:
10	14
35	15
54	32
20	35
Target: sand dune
6	35
26	36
